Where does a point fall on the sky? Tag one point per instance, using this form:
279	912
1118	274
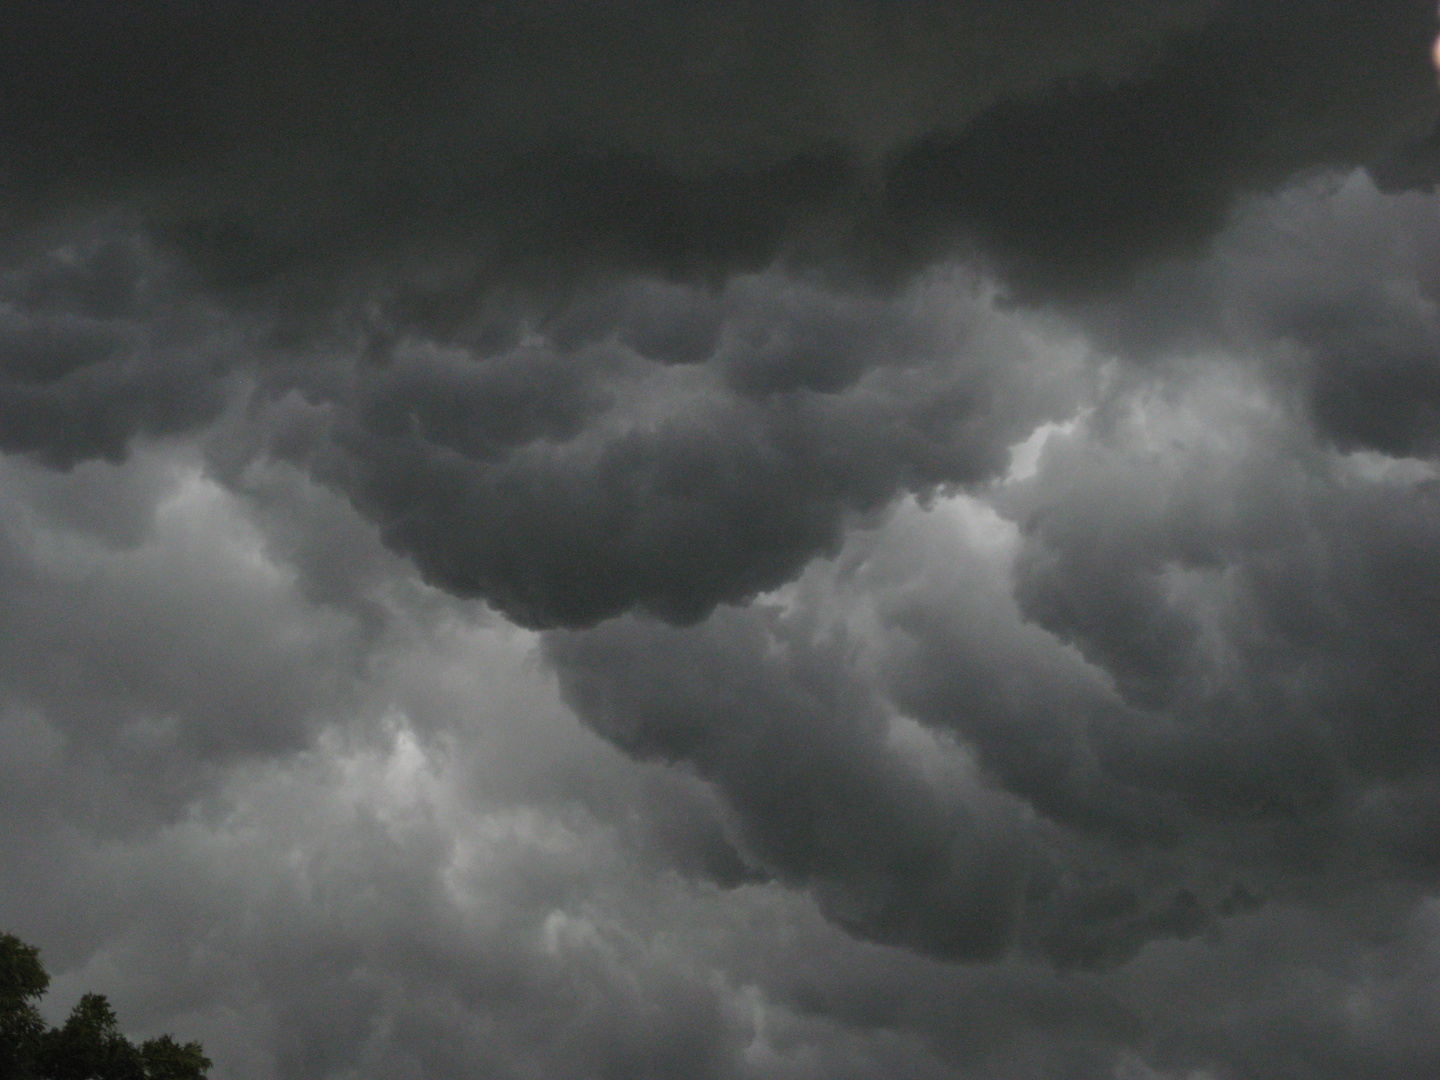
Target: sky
805	540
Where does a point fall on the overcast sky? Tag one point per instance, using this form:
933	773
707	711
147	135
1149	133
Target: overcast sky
803	540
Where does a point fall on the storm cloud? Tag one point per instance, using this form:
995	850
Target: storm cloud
279	147
814	539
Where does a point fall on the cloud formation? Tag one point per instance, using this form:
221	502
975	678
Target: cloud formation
768	542
572	477
301	150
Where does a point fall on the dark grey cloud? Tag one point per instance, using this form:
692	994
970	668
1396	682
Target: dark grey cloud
568	484
701	443
1261	604
1330	286
800	753
484	417
1211	681
544	139
1246	544
833	747
1073	191
457	873
96	348
752	541
1286	997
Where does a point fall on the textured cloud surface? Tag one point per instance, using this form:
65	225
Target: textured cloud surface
804	540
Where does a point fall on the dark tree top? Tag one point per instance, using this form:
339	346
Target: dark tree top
88	1046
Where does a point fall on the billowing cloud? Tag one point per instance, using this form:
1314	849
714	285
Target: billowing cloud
457	872
761	542
801	752
96	348
570	480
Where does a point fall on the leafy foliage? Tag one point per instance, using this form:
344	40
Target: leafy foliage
88	1046
22	981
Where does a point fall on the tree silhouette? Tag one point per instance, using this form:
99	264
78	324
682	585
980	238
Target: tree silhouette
88	1046
22	981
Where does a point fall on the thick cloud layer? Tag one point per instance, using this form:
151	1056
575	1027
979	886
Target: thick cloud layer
456	875
799	749
625	450
1203	657
572	477
758	542
279	147
97	348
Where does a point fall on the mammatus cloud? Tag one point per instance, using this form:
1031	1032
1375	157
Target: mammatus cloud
814	540
457	872
517	434
626	452
799	749
98	349
570	480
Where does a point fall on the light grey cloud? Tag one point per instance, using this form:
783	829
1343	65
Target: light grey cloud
1330	287
456	874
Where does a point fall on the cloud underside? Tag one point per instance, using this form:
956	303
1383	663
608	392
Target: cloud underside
295	151
844	540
